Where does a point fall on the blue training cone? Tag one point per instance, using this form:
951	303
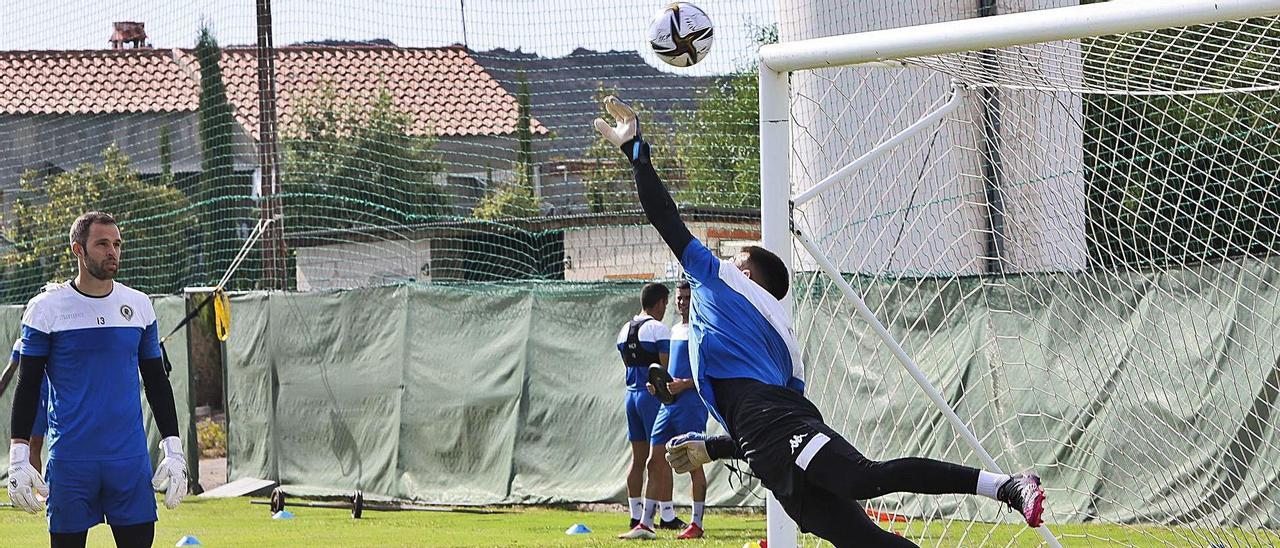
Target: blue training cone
577	529
188	540
283	514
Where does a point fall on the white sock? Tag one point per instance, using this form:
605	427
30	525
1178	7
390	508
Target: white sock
668	510
637	507
696	518
650	508
989	484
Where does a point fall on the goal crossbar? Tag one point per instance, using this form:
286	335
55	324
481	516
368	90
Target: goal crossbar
1015	29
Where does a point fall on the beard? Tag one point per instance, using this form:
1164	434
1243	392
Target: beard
98	269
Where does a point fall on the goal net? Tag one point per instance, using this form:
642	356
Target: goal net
1072	236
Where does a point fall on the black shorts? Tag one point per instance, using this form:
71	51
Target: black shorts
815	474
778	429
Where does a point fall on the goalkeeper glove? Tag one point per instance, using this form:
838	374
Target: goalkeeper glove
24	480
627	129
172	469
687	452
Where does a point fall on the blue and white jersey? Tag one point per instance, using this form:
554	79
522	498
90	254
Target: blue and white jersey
37	427
654	337
93	345
737	329
680	367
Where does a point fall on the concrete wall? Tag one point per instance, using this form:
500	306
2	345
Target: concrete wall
360	264
637	252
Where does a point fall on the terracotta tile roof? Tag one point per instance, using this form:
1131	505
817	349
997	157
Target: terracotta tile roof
443	89
94	82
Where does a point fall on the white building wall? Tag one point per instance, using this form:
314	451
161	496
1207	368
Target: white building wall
359	264
638	253
923	208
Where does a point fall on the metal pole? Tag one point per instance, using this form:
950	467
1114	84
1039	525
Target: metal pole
1007	30
775	228
992	165
463	5
273	249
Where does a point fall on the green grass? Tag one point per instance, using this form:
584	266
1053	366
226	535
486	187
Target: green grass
235	522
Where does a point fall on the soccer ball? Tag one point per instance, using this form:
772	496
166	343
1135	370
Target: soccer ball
681	34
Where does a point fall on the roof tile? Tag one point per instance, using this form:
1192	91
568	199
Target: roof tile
444	90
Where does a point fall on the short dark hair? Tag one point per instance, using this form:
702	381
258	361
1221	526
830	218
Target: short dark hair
768	269
652	293
682	284
80	228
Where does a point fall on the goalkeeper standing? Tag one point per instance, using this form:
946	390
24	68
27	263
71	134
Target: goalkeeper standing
94	338
747	368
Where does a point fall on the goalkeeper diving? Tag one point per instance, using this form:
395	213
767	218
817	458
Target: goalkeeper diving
748	371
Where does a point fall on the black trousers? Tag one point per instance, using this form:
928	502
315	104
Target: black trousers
128	536
817	476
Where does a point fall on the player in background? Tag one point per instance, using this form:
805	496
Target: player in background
686	414
38	426
94	339
747	368
645	340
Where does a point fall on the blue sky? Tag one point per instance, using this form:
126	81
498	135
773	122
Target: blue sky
548	27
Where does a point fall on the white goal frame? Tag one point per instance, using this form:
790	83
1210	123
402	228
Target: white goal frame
777	61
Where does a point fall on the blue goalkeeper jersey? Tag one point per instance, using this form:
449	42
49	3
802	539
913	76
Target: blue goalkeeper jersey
93	345
736	328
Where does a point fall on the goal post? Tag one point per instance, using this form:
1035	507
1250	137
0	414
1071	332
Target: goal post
1017	107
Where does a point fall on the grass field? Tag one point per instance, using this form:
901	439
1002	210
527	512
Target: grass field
236	523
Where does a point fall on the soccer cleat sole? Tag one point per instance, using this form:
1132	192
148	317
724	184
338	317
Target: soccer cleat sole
1035	514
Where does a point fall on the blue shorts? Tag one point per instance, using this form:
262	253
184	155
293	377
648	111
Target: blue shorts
84	492
681	418
642	410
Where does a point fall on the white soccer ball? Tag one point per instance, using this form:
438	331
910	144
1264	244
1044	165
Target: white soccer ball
681	34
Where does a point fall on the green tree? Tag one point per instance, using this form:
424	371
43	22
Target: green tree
153	218
1174	178
720	145
719	141
350	163
220	195
516	197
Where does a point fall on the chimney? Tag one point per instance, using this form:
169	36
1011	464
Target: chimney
128	32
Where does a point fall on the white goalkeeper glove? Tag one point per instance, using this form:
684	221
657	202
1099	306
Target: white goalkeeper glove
173	470
24	480
628	125
687	452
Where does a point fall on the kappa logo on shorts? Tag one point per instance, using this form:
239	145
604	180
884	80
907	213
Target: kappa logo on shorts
126	312
796	441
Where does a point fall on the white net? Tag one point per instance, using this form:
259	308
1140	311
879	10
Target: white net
415	141
1080	257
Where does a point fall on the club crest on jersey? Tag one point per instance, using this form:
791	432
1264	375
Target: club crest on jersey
126	311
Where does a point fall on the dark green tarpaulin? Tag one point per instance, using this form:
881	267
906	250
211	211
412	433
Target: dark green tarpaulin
1140	397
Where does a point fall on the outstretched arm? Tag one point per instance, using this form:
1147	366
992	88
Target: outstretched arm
654	197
